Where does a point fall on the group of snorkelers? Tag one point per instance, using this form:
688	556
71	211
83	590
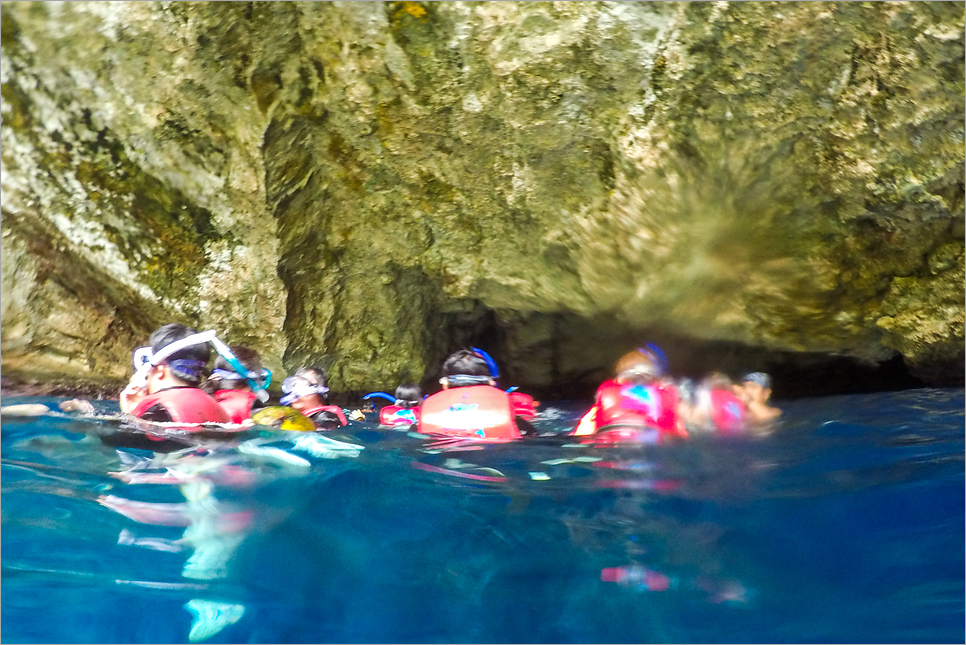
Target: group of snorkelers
639	404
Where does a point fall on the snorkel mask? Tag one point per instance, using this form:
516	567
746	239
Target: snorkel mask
295	387
463	380
145	359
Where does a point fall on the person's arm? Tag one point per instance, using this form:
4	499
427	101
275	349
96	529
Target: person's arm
130	396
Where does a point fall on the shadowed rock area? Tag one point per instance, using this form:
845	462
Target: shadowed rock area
771	186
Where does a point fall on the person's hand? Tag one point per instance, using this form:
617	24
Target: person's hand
130	397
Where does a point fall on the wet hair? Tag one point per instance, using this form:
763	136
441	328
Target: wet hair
326	420
408	395
187	364
316	375
465	362
248	357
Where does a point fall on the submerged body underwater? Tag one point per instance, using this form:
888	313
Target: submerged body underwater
846	524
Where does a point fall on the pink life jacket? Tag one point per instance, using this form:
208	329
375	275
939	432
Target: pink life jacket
237	403
523	405
334	409
478	412
185	405
727	412
394	415
626	404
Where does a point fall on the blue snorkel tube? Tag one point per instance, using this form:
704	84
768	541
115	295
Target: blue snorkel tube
258	382
494	370
379	395
662	362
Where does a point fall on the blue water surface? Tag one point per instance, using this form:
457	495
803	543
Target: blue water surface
846	524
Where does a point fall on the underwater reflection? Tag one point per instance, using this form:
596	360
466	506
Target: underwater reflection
214	527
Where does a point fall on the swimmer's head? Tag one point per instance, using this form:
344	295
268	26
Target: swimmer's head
225	377
639	366
408	395
187	364
466	367
306	388
756	387
759	378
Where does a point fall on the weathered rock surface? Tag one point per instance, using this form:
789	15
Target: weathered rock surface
375	184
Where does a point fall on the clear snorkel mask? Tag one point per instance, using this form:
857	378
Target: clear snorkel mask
145	359
295	387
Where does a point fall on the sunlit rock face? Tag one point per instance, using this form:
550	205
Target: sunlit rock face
372	185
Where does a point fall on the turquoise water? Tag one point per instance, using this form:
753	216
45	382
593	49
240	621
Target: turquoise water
845	525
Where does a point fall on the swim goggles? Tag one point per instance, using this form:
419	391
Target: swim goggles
462	380
295	387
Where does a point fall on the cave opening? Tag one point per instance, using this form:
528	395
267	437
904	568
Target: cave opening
564	356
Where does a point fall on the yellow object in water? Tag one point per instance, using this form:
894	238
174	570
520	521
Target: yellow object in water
282	417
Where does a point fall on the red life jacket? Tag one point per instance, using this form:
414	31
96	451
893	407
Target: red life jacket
394	415
185	405
475	412
627	404
523	405
334	409
237	403
727	412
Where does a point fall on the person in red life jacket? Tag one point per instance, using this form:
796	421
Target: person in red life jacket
524	406
470	405
636	406
404	410
714	408
238	382
308	392
164	387
754	391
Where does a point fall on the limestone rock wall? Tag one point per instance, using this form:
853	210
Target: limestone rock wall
374	184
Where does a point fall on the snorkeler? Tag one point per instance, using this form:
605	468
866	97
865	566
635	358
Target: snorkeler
164	387
404	409
308	392
470	405
713	408
755	390
634	406
240	388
